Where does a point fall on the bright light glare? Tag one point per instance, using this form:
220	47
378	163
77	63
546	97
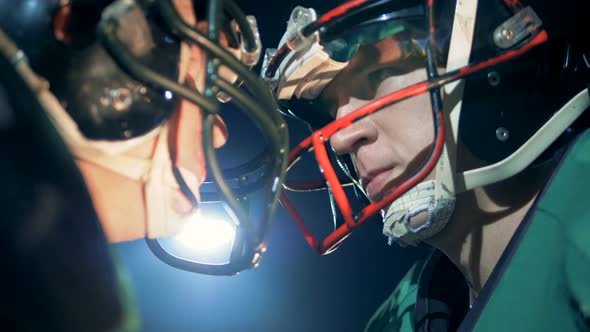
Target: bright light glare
207	234
168	95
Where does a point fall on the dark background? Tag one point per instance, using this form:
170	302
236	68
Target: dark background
294	289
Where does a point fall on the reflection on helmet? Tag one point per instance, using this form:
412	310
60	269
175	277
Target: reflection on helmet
113	67
477	42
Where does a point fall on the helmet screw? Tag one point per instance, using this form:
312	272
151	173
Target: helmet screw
502	134
243	181
508	34
494	78
121	99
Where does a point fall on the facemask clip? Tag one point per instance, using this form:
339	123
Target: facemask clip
517	29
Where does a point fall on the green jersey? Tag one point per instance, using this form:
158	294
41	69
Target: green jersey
541	283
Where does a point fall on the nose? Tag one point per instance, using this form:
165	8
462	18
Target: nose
186	139
186	124
360	133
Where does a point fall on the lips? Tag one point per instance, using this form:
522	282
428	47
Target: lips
375	183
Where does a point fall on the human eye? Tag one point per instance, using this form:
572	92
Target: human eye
377	76
328	105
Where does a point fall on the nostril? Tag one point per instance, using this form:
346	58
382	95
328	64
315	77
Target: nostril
362	141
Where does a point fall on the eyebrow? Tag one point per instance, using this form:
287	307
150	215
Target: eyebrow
382	52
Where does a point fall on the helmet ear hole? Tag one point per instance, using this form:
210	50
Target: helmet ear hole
74	24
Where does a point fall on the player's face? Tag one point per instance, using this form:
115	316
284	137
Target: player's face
389	146
119	201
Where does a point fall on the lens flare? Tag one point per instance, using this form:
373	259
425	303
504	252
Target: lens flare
207	234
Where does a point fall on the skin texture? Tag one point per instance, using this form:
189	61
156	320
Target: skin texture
373	140
390	146
119	201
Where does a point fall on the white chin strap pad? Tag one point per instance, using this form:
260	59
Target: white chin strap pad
430	198
156	175
158	180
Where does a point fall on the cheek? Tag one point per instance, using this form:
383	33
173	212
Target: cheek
407	128
196	68
420	124
408	124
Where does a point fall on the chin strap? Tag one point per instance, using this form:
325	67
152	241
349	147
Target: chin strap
430	210
431	204
155	174
158	180
157	177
